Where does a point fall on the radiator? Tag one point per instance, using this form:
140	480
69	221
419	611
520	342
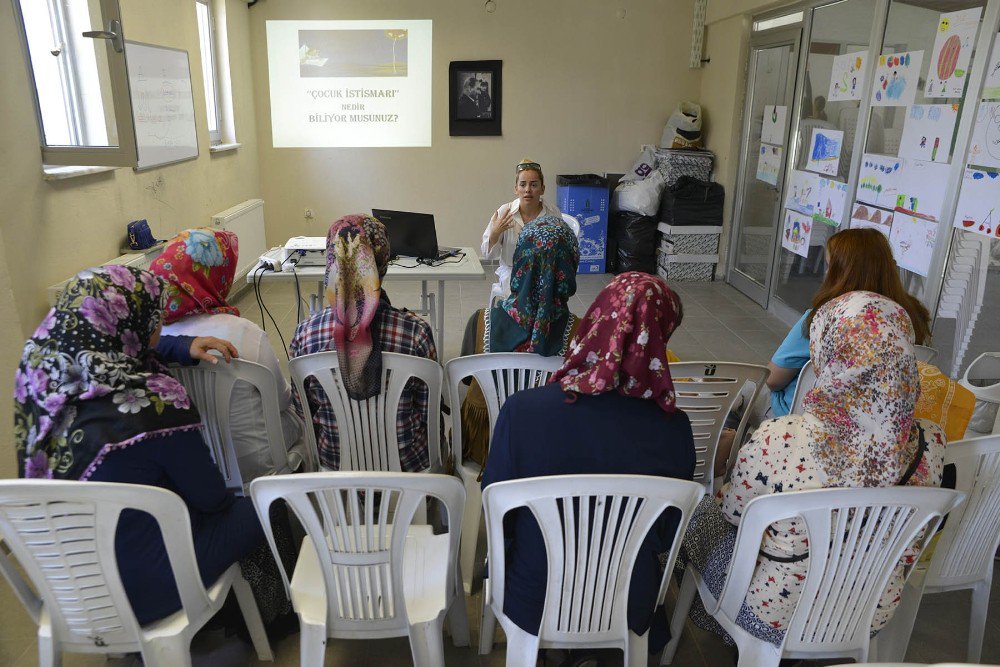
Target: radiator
246	219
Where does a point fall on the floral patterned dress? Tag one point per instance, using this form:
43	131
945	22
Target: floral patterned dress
858	430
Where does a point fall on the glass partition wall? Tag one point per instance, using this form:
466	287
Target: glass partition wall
880	127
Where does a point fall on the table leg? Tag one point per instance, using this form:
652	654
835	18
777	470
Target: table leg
440	319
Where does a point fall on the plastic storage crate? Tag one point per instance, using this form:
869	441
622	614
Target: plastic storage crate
687	254
674	163
684	268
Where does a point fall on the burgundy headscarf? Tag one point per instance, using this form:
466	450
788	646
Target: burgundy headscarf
622	342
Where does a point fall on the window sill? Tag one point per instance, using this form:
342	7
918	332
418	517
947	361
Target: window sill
222	148
58	173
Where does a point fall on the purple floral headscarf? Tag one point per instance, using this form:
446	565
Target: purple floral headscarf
88	383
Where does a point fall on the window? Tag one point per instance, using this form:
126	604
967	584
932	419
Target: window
75	55
215	70
777	22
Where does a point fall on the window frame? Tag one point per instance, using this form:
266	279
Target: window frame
208	44
125	153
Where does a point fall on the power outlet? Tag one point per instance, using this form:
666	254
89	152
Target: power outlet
309	214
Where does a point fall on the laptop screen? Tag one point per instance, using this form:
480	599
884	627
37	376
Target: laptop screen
410	234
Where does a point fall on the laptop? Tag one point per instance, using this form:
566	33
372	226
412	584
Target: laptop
412	234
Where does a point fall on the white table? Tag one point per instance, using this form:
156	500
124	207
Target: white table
405	268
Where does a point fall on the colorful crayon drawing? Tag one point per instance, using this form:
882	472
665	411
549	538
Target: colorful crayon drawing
928	131
772	130
830	199
952	52
991	89
878	180
896	78
824	154
799	192
769	163
979	203
870	217
984	151
797	232
912	240
847	78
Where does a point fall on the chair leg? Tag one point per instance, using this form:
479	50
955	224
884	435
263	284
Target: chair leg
49	653
470	532
685	596
637	650
312	644
458	615
427	644
251	614
167	652
487	628
522	648
892	640
759	654
977	620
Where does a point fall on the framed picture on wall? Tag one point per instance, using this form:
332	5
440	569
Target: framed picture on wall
474	95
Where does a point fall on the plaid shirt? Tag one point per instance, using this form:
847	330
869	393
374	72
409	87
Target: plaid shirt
398	331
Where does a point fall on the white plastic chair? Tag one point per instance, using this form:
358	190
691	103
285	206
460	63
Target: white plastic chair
210	387
846	576
807	380
367	429
707	391
378	574
572	223
924	353
963	557
499	375
63	536
593	526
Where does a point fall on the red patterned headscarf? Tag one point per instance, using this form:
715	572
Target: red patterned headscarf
622	342
353	286
198	267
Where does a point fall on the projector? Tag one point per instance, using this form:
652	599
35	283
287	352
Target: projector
310	250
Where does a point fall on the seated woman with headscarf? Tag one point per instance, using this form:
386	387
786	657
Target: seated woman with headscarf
360	323
610	409
534	318
858	430
93	402
198	267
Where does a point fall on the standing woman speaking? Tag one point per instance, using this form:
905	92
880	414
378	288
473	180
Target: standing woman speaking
500	237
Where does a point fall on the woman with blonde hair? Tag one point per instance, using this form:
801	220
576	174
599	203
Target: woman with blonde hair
500	236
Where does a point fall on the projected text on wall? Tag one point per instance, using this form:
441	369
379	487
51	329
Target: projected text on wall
350	83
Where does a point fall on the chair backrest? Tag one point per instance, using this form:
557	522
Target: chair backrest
367	429
63	536
969	541
210	386
593	526
572	223
847	575
499	375
707	392
358	523
924	353
807	380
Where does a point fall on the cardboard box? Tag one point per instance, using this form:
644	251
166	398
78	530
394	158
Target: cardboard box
585	197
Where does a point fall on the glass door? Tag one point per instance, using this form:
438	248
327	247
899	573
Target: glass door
770	87
832	92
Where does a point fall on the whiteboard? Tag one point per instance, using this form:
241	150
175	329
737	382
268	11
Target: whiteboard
162	104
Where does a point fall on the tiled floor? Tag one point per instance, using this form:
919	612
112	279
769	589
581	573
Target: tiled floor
719	324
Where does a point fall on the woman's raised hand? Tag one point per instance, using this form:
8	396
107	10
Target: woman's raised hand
501	221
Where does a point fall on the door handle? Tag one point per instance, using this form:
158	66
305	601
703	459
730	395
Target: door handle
113	33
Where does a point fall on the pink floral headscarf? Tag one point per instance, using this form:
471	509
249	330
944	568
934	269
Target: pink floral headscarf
621	343
198	267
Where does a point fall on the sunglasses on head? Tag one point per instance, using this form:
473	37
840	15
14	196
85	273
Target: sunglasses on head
528	166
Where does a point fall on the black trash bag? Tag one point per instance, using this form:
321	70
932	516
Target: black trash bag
691	201
634	238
